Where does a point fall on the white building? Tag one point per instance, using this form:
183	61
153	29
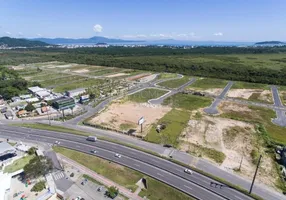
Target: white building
76	92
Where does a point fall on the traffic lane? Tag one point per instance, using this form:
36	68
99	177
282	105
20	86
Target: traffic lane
276	98
226	89
178	170
154	172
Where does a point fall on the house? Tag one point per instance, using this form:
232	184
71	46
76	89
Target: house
31	100
64	103
42	94
3	110
76	92
15	99
26	96
84	98
45	109
22	113
9	115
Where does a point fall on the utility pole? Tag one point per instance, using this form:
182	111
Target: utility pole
255	174
240	163
48	115
141	127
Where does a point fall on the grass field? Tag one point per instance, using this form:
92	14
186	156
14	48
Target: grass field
175	121
160	191
18	164
117	173
207	83
61	80
52	128
247	85
145	95
175	83
85	83
263	116
166	76
187	101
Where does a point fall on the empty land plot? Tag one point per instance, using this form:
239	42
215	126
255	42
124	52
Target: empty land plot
187	101
167	75
138	76
256	95
146	94
125	116
175	120
61	80
175	83
257	115
105	71
80	83
247	85
117	75
206	83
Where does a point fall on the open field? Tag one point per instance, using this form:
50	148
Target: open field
85	83
175	121
175	83
166	75
207	83
145	95
117	173
125	116
18	164
187	101
247	85
257	95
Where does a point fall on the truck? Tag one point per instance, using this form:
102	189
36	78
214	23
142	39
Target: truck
91	138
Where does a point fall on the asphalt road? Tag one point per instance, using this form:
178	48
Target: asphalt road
196	185
213	107
280	119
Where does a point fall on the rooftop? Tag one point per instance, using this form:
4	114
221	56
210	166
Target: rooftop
35	89
6	148
77	90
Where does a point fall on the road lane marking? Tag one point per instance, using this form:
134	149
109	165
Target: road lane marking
160	174
238	197
188	187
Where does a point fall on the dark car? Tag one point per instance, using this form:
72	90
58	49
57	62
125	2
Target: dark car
168	145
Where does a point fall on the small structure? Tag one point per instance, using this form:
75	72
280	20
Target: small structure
9	115
32	100
76	92
2	102
84	98
26	96
22	113
45	109
15	99
6	150
64	103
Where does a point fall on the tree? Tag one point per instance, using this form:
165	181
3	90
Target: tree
38	166
32	151
92	96
112	192
38	187
30	107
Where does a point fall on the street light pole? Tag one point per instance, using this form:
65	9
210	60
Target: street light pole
255	174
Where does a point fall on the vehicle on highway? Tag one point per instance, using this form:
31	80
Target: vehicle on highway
91	138
57	142
188	171
117	155
93	151
168	145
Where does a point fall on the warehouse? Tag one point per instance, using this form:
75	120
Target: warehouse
64	103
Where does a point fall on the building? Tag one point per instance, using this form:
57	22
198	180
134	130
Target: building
9	115
26	96
43	94
76	92
6	151
15	99
45	109
84	98
22	113
33	90
32	100
64	103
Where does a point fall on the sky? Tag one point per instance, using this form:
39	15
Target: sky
194	20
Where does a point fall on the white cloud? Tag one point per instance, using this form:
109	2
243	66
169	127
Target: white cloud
20	34
218	34
39	35
97	28
8	33
141	36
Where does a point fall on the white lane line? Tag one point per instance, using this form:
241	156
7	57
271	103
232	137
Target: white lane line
188	187
238	197
137	165
160	174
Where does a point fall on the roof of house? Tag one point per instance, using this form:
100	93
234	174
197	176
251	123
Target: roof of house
22	112
77	90
35	89
6	148
8	113
43	93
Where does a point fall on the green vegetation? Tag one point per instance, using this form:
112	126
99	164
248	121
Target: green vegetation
159	191
207	83
12	143
126	126
18	164
52	128
38	187
246	85
15	42
145	95
112	192
175	121
175	83
259	115
119	174
38	166
166	75
91	179
211	153
187	101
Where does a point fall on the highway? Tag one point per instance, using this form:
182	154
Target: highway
195	185
280	119
213	107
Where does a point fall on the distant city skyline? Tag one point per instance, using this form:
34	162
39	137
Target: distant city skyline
204	20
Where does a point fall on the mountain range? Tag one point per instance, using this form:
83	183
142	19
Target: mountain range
15	42
92	40
270	43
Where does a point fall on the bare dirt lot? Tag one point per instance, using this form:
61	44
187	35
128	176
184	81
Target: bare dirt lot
117	75
124	116
81	71
133	78
251	94
214	91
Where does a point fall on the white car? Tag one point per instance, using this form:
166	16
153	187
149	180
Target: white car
188	171
117	155
93	151
57	142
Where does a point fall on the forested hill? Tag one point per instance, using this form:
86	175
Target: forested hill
270	43
15	42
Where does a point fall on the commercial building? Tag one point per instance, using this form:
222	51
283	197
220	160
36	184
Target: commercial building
6	151
64	103
76	92
41	93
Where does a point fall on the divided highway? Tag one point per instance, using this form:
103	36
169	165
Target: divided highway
196	185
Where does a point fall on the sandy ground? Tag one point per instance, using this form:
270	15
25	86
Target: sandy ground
213	132
148	78
214	91
81	71
242	93
130	113
133	78
116	75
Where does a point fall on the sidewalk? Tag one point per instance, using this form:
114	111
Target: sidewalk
100	178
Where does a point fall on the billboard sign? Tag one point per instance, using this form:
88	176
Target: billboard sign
141	121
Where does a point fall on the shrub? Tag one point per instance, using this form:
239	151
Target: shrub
38	187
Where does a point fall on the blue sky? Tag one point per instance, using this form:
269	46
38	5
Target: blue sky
197	20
